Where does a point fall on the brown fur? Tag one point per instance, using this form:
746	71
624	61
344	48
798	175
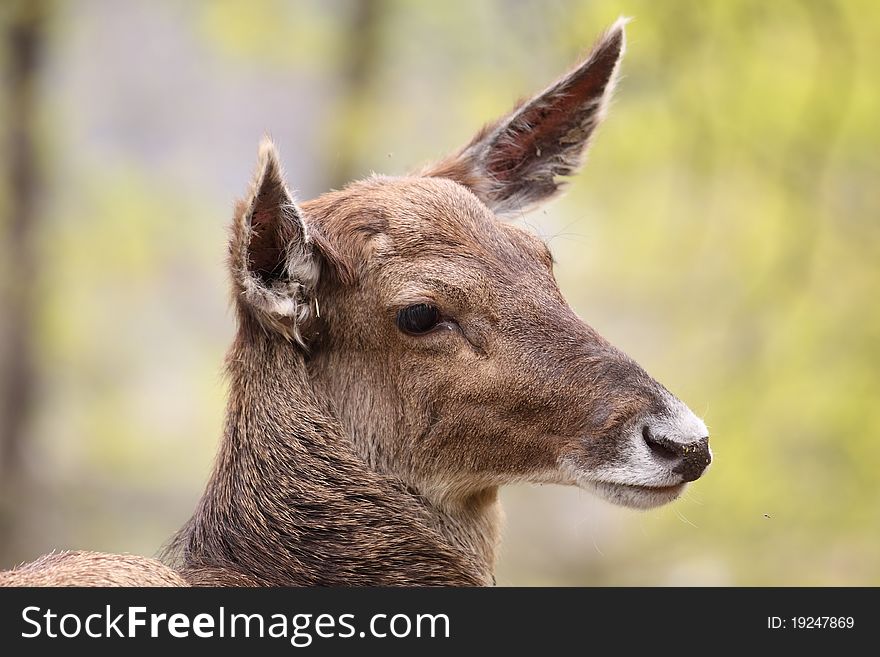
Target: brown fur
457	414
356	453
91	569
290	503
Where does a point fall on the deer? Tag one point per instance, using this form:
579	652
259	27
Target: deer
403	351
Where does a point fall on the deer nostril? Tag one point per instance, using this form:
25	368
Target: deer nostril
686	459
661	447
696	459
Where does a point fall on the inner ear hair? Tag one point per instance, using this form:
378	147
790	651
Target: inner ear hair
272	259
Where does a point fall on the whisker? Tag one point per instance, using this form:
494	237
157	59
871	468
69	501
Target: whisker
682	517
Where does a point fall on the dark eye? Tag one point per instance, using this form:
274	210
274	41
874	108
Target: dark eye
418	319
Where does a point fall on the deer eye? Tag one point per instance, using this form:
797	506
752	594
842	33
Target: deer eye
418	319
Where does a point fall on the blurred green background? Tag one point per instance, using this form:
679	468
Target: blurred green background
724	233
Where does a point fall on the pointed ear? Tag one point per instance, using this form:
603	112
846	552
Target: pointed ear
515	162
273	264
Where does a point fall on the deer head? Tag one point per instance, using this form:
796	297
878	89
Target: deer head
436	332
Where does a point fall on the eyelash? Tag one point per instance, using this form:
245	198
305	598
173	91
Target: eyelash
419	319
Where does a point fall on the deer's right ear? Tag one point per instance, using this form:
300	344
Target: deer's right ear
274	266
519	160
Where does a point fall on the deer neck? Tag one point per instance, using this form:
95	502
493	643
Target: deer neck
291	503
471	523
374	426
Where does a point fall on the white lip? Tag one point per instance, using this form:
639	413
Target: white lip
637	496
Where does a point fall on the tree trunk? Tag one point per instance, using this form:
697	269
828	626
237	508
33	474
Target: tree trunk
24	39
359	64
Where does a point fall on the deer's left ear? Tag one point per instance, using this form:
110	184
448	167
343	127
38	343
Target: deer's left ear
516	161
272	260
